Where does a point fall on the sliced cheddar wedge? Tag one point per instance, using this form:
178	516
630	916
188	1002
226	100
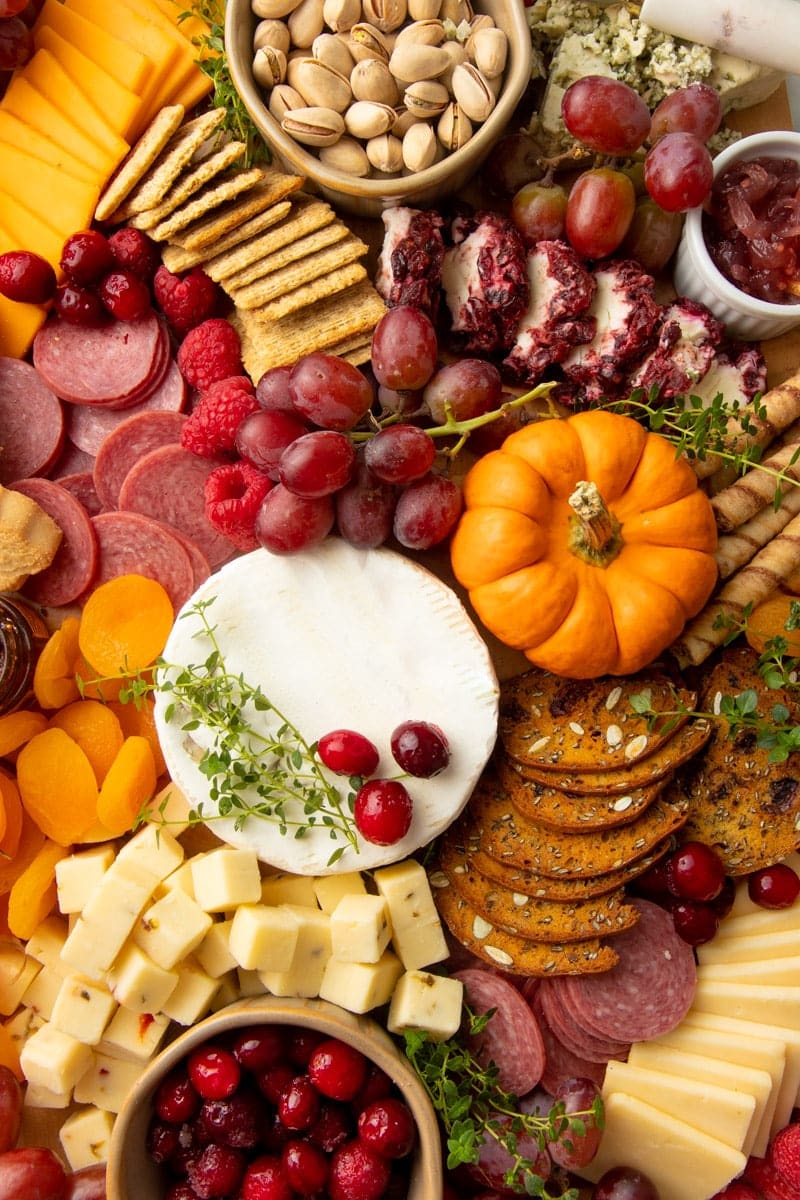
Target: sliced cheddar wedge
49	78
127	64
14	132
19	323
38	112
104	91
64	203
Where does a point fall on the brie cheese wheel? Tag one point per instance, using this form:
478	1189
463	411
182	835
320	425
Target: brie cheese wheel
339	638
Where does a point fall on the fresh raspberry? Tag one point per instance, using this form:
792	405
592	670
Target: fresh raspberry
186	301
784	1154
234	493
210	352
768	1181
210	429
134	251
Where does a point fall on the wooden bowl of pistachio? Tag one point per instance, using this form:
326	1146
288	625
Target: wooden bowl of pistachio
379	102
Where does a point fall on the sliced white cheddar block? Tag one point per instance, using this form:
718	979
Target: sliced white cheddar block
720	1112
263	937
755	948
683	1162
762	920
701	1068
751	1038
329	889
282	888
782	971
85	1136
772	1004
346	617
360	987
78	874
425	1001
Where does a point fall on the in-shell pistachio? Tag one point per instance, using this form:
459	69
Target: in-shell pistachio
314	125
319	84
429	33
427	98
386	15
372	80
385	153
455	128
367	42
490	51
412	61
273	8
341	15
346	155
423	10
269	67
332	51
366	119
456	53
420	147
403	120
456	11
270	32
306	23
283	99
472	92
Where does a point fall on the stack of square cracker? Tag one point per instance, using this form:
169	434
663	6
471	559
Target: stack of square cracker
291	267
582	799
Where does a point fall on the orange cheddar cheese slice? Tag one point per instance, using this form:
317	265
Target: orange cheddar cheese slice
191	26
31	230
47	75
128	65
64	203
14	132
105	93
25	102
19	323
187	78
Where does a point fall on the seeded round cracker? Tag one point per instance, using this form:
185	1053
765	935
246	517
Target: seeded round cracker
139	160
190	182
205	231
570	810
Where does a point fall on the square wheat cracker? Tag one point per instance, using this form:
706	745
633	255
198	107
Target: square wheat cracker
189	183
203	234
318	289
140	159
294	275
175	156
293	251
302	219
228	187
177	258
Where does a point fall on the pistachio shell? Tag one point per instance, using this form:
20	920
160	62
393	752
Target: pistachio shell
371	79
426	98
332	51
270	32
341	15
456	54
367	42
420	147
472	92
414	60
428	33
314	125
269	67
455	128
423	10
346	155
385	153
366	119
319	84
283	99
385	15
306	23
403	120
456	11
489	51
273	8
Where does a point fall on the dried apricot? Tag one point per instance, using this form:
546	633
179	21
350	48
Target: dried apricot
54	682
95	728
33	893
125	625
57	785
12	807
19	727
128	786
768	620
138	718
30	843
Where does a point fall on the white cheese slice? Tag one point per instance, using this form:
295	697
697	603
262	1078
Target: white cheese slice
736	28
339	637
742	951
784	971
774	1004
763	920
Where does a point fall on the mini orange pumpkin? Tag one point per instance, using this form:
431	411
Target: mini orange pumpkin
586	544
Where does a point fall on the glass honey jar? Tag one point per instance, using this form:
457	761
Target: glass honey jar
23	633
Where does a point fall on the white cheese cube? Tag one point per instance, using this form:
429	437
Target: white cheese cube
250	983
214	952
170	805
304	976
41	993
263	937
41	1097
360	929
417	933
47	940
171	928
20	1026
428	1002
192	996
180	878
110	914
329	889
283	888
155	849
54	1060
78	875
17	972
107	1082
82	1008
359	987
134	1036
85	1137
138	983
228	990
226	878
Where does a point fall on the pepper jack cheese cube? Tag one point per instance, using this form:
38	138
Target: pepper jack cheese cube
329	889
360	929
77	875
138	983
54	1060
134	1036
99	933
359	987
85	1137
192	996
82	1008
47	940
171	928
283	888
417	933
428	1002
263	937
107	1082
41	1097
225	878
40	995
249	983
214	952
304	976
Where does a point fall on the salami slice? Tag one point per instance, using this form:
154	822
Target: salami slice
130	543
127	442
586	1046
168	484
98	364
561	1063
650	989
200	564
512	1039
159	369
71	461
81	486
72	570
31	422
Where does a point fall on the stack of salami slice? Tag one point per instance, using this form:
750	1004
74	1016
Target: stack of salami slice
581	798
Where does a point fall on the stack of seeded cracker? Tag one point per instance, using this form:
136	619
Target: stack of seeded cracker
293	270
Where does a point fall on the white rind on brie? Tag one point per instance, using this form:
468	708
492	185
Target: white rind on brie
342	638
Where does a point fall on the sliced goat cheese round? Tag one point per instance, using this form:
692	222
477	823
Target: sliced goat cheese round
337	638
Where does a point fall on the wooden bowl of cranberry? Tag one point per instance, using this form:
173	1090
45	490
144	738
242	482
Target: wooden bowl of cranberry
276	1098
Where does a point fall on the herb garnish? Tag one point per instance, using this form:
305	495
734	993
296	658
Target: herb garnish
474	1108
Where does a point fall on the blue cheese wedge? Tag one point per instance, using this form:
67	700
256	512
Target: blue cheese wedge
341	638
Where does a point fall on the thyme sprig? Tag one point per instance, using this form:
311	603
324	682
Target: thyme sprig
474	1108
274	775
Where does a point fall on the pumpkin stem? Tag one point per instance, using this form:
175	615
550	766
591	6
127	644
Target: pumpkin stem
594	530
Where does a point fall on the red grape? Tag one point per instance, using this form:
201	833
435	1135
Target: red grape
10	1109
694	109
365	508
576	1149
16	44
286	522
87	1184
539	210
26	277
427	511
469	387
329	391
605	114
652	236
11	8
32	1173
317	464
624	1183
264	435
272	390
678	172
400	453
391	401
494	1160
404	349
599	211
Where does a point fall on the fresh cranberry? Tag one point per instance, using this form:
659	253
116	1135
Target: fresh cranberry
383	811
306	1168
217	1171
377	1086
357	1173
266	1179
134	251
774	887
337	1070
162	1140
298	1106
273	1082
176	1099
259	1049
652	883
695	872
275	1135
696	923
302	1043
333	1127
125	295
26	277
214	1072
188	1149
78	305
86	257
723	903
236	1120
348	753
420	748
388	1128
180	1191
